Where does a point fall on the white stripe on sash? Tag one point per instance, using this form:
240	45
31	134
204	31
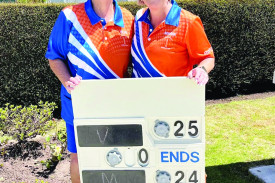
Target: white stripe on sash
136	57
135	73
139	53
83	65
142	51
77	44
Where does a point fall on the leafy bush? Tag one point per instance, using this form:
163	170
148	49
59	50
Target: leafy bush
57	145
26	122
31	1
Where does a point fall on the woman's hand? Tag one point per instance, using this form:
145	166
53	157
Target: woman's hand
72	83
199	74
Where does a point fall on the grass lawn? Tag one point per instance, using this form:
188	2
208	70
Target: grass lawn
239	135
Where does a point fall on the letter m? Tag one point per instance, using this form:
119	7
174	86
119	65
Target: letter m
106	180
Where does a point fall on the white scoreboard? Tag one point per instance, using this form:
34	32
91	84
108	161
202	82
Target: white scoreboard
146	130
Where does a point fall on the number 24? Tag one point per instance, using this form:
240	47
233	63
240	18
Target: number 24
192	178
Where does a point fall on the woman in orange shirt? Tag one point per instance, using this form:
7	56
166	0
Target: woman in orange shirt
170	41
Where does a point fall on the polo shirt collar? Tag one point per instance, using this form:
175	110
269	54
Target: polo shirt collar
172	18
94	18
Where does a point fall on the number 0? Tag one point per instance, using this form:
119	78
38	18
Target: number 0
144	159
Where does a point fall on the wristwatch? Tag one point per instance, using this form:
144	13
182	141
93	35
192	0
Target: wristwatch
204	69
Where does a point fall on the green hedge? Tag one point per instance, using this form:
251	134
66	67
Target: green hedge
242	35
25	76
243	39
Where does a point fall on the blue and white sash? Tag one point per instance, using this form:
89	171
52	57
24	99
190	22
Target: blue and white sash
142	66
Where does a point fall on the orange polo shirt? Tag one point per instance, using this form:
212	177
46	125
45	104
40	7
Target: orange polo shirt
90	47
172	48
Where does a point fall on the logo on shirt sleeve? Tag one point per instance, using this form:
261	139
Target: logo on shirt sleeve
207	52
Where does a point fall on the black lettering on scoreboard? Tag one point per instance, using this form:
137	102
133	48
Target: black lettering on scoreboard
110	135
113	176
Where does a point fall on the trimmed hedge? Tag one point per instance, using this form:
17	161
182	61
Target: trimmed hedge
25	75
242	35
243	39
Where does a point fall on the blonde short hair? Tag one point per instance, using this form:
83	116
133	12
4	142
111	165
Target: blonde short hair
140	2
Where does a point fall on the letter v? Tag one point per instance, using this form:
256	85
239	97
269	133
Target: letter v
102	140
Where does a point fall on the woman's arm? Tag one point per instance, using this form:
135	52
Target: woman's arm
62	73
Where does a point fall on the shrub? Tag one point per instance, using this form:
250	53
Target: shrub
27	122
57	145
31	1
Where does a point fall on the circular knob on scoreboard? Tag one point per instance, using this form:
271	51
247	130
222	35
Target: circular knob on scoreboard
162	128
163	177
114	157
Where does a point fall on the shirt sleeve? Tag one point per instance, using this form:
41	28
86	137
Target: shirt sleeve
58	41
197	43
